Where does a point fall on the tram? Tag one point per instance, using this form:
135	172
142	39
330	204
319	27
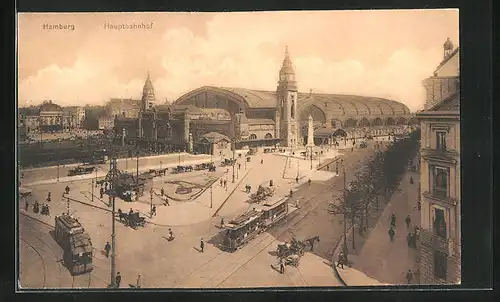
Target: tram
243	229
76	244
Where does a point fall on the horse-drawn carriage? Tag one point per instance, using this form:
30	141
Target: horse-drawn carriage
263	192
293	251
228	162
203	166
132	220
80	170
182	169
158	172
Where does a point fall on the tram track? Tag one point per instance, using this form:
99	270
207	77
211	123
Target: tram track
79	281
268	240
41	259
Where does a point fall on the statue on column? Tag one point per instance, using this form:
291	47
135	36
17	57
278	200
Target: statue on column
190	141
310	136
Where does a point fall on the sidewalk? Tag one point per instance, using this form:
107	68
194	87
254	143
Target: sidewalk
377	261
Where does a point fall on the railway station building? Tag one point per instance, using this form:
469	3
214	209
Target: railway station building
256	118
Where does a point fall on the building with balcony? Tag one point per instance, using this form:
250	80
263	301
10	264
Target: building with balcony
440	248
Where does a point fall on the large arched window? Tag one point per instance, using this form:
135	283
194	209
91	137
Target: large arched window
252	136
389	121
364	122
377	122
268	136
350	123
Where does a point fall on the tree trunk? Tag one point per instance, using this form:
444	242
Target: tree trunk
353	233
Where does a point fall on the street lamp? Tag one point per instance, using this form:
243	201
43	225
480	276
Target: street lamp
57	172
234	150
113	239
67	204
151	205
92	190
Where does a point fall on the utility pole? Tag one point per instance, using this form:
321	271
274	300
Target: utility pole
151	205
67	203
234	150
298	165
345	214
57	172
113	241
211	194
92	190
311	158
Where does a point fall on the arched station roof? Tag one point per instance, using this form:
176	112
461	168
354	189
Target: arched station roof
333	105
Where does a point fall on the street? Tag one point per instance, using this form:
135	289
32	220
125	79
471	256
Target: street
178	263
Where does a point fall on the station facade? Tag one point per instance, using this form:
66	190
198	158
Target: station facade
262	118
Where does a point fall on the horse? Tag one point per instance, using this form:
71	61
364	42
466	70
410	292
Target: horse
311	241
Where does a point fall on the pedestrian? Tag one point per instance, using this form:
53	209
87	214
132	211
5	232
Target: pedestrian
202	245
340	262
309	181
419	205
239	166
131	211
408	221
261	161
225	183
162	192
221	182
107	248
166	201
153	211
408	238
222	222
393	220
282	266
409	276
391	234
291	193
26	206
416	232
138	283
118	279
328	167
297	204
101	192
297	179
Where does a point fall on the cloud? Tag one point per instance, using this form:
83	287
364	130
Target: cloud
246	50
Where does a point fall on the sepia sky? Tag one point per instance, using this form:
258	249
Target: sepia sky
374	53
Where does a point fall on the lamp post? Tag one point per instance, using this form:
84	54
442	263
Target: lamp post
311	158
298	165
234	150
57	172
67	204
151	205
92	185
211	194
113	240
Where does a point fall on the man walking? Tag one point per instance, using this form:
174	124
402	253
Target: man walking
202	245
297	179
222	222
162	192
282	266
340	262
118	279
393	220
291	193
309	181
166	201
153	211
409	276
408	221
391	234
138	283
107	248
26	206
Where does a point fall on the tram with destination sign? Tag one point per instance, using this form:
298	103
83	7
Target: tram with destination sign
76	244
247	226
